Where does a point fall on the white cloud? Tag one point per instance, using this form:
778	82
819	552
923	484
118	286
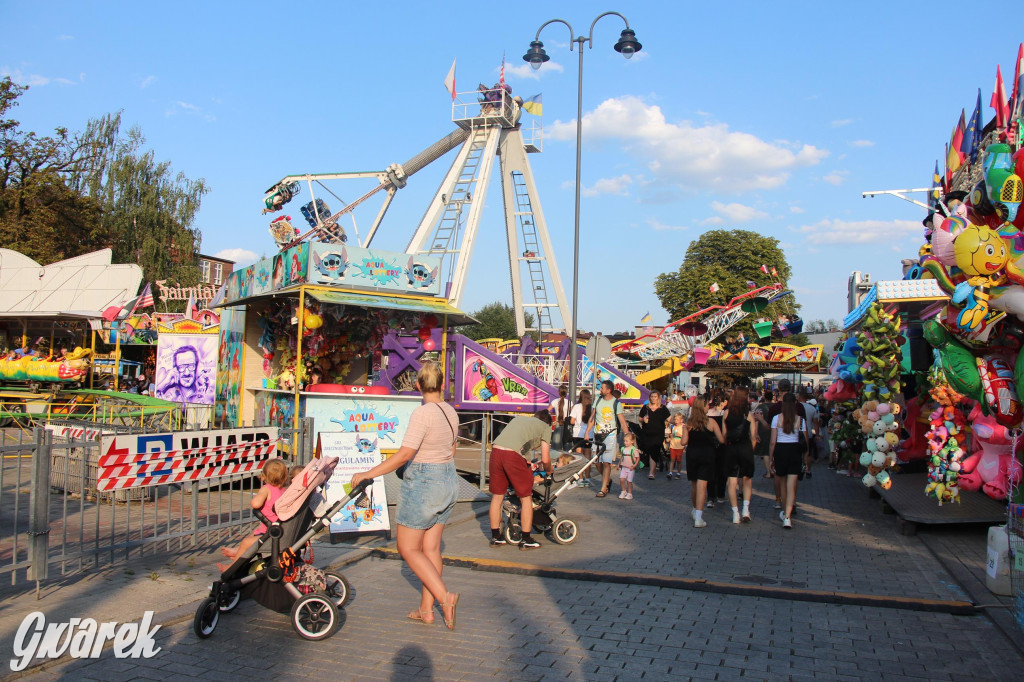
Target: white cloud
660	226
835	177
619	186
862	143
147	81
189	108
795	209
688	156
737	213
842	122
33	80
860	231
240	256
524	70
65	37
713	220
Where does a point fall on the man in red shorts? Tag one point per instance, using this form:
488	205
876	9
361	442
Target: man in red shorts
509	468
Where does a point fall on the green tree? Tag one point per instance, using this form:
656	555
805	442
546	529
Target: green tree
497	321
40	214
146	207
729	258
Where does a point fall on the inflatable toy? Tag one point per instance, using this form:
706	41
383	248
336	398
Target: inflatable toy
992	467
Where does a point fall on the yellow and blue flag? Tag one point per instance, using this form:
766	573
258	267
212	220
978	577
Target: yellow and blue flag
646	318
533	105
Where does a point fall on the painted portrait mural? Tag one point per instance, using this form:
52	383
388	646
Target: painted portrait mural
186	368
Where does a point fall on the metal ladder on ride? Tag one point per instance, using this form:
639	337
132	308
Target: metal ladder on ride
532	255
445	240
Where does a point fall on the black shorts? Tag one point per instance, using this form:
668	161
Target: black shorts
700	464
789	460
739	460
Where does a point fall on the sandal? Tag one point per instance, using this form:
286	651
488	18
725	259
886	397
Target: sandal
602	493
421	617
453	600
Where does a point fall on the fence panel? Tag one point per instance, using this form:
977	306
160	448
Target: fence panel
53	517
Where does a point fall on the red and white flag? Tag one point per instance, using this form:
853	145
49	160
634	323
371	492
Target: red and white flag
449	81
775	273
501	81
764	269
1017	90
998	101
714	287
146	299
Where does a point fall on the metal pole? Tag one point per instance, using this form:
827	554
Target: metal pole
573	348
39	508
483	450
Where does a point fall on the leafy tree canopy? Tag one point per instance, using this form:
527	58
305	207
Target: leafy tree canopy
70	194
497	321
729	258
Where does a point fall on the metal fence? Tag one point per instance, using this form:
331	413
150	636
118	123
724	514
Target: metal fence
54	522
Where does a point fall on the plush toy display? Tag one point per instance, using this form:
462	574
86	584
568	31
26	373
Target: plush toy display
992	466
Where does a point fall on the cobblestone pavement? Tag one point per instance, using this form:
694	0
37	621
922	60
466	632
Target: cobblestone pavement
531	629
523	628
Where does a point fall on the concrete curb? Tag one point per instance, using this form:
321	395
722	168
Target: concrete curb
960	608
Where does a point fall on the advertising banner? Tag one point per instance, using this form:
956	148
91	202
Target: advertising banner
384	417
355	452
487	381
186	368
140	460
382	270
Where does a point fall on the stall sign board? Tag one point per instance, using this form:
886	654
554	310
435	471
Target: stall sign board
353	266
148	459
380	416
355	452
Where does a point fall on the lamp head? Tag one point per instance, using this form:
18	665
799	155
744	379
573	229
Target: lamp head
536	55
628	44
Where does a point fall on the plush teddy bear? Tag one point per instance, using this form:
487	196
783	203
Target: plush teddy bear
992	465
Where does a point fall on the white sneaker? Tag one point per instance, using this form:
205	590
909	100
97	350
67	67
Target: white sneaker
622	495
786	523
782	515
699	523
629	496
736	517
693	515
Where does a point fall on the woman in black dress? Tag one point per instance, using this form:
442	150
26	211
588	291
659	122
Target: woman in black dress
702	438
740	439
652	430
716	411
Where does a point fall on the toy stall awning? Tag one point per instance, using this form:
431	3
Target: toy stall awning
81	287
438	306
914	296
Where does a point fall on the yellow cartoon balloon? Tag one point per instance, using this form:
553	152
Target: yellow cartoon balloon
980	251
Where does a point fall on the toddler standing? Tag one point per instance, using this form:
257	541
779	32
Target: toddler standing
627	466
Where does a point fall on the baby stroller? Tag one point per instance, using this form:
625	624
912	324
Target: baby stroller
545	517
273	571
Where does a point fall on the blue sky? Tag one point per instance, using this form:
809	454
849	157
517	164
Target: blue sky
770	118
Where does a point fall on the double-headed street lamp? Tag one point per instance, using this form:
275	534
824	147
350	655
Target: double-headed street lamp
627	45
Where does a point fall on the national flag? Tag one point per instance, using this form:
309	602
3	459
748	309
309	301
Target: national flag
954	153
646	318
501	80
751	285
449	81
1017	98
533	105
775	273
222	294
146	299
949	173
190	307
972	137
714	287
764	269
998	100
936	193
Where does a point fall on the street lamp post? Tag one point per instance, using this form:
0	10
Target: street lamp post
627	45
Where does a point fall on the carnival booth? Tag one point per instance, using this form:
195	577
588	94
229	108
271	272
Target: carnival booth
303	334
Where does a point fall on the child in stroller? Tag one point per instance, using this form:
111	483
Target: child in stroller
280	578
545	516
275	477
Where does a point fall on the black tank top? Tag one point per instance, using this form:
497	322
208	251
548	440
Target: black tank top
701	439
733	421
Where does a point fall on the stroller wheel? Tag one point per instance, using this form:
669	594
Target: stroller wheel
229	602
337	588
565	532
513	532
314	616
205	621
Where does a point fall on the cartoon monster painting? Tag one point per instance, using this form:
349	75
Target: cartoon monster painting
419	275
487	387
332	264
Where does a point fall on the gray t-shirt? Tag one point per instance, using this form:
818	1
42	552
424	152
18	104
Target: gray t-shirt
523	434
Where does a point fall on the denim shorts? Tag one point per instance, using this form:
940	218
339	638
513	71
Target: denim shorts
611	443
428	495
